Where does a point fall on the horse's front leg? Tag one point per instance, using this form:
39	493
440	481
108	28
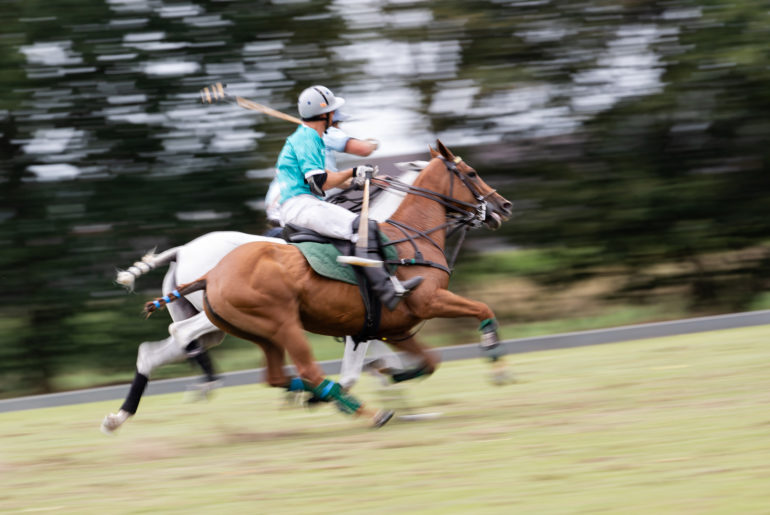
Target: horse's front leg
445	304
311	377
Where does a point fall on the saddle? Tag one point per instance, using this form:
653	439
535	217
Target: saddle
321	253
352	198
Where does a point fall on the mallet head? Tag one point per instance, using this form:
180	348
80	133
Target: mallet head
213	93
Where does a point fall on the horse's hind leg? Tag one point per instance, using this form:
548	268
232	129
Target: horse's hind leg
150	356
203	360
428	360
210	381
196	349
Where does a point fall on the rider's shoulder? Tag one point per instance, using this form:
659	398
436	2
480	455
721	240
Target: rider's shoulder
335	139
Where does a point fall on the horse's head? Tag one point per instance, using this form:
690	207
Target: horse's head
475	191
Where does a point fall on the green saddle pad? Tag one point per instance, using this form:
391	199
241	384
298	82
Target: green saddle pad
322	258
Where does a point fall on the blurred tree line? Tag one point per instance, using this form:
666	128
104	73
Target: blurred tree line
634	132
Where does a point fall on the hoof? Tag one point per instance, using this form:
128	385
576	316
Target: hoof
113	421
202	391
110	424
381	418
501	377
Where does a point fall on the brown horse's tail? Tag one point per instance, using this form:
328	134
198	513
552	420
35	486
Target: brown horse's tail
184	289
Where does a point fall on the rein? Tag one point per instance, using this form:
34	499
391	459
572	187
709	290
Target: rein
460	216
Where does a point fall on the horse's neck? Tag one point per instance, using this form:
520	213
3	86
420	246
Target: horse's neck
424	214
386	203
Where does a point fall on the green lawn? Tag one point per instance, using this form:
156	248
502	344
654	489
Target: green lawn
666	426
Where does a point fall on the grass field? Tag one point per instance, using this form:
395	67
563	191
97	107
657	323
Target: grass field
669	426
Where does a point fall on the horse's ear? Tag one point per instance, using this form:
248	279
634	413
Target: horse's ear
433	152
444	151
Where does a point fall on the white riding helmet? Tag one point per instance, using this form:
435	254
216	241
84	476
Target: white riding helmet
317	100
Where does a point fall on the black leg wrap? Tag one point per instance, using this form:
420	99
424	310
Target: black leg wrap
193	349
204	361
411	373
135	393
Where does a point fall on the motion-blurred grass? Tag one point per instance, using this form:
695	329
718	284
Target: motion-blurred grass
674	425
522	286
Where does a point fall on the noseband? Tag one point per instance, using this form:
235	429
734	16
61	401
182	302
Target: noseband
480	208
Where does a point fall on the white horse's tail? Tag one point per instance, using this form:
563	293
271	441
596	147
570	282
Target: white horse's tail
149	262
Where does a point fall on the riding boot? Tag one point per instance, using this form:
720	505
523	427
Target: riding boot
386	286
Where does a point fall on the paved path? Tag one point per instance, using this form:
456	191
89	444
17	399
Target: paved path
557	341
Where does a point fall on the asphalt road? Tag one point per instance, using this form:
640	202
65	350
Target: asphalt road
469	351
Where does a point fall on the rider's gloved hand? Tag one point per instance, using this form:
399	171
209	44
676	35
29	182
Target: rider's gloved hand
360	172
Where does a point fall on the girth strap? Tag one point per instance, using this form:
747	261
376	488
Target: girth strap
372	310
372	303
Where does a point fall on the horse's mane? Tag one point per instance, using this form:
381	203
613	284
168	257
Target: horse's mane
383	202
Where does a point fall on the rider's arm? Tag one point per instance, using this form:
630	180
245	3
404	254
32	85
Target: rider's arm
360	147
335	179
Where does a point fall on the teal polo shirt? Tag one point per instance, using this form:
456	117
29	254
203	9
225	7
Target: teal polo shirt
302	157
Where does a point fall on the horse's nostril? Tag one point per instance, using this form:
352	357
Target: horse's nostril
507	206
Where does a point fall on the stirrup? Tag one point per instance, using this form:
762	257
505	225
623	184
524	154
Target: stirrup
403	288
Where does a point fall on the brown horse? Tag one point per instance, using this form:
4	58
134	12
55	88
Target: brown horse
268	294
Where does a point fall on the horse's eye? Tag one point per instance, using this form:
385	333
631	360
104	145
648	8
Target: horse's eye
472	174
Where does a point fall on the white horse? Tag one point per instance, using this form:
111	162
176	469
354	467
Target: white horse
191	333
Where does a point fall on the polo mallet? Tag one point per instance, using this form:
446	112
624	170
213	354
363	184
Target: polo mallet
363	231
216	93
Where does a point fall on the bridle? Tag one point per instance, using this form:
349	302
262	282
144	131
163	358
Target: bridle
460	216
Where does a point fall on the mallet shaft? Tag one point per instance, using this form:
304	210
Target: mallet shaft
253	106
216	92
363	221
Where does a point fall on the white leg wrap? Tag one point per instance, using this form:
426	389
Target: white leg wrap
212	339
151	355
352	362
185	331
381	351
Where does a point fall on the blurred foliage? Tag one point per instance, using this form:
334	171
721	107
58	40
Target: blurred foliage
626	134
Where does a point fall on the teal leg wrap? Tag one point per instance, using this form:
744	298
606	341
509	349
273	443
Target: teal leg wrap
331	391
297	385
490	344
488	325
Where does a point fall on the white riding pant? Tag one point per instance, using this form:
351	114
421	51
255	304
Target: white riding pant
324	218
354	358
